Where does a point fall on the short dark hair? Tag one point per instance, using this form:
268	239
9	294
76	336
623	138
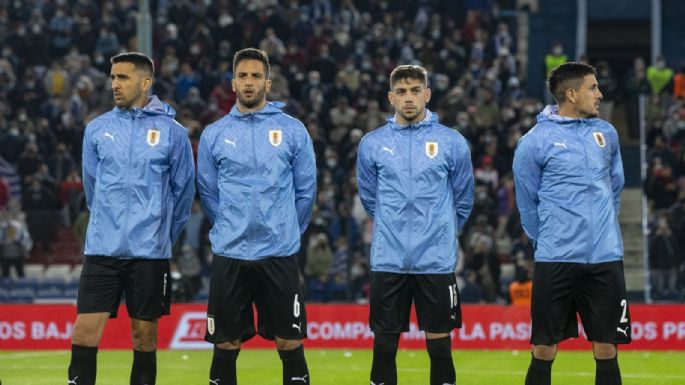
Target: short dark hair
408	71
139	60
567	75
252	54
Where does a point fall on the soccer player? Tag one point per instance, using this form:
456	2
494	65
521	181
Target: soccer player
569	176
138	176
416	180
257	182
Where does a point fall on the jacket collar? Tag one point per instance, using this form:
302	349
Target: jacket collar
429	119
270	108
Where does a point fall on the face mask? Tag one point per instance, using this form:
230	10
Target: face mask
558	51
331	163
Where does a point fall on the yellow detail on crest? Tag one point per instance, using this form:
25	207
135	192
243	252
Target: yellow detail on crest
599	138
275	137
431	149
153	137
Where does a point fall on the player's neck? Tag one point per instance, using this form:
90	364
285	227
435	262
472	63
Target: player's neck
567	110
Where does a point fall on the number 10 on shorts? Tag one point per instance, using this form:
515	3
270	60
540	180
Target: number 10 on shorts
454	301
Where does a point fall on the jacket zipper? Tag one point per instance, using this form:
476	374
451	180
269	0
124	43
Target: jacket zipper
250	120
128	178
588	177
409	264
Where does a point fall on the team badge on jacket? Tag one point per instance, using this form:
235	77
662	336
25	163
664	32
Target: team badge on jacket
275	137
152	137
431	149
599	138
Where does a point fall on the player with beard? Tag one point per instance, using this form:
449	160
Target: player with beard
257	182
139	182
416	180
569	176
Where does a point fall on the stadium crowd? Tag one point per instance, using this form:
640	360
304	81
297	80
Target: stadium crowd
330	61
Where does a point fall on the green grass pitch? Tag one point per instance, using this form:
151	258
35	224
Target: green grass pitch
342	367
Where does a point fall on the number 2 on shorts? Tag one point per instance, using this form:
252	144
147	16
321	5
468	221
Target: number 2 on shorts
624	303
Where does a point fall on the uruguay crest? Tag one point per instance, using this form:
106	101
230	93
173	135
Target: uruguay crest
153	137
431	149
599	138
275	137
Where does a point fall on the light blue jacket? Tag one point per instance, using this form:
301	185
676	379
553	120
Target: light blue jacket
569	176
138	176
416	181
257	182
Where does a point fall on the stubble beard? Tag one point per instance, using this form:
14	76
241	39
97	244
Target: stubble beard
249	104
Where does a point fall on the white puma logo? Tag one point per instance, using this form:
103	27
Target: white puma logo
72	382
560	144
215	382
298	327
625	332
108	135
303	378
230	142
391	151
373	383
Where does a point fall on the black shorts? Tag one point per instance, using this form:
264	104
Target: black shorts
145	283
438	308
596	291
271	284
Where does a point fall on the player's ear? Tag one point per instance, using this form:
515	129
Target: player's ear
267	86
570	95
391	97
233	85
427	94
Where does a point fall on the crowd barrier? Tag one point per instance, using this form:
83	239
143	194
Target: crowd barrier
654	327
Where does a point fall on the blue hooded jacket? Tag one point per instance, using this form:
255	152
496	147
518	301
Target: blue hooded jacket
569	177
416	181
138	176
257	182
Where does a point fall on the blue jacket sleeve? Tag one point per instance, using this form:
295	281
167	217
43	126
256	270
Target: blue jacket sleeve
304	181
182	180
461	180
527	173
90	165
617	178
367	178
207	178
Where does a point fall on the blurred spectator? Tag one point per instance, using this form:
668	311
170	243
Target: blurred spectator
665	260
659	75
194	102
60	163
521	289
471	292
553	59
635	84
40	203
318	267
679	84
15	243
607	85
661	187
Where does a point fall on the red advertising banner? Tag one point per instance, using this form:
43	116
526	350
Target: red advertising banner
654	327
